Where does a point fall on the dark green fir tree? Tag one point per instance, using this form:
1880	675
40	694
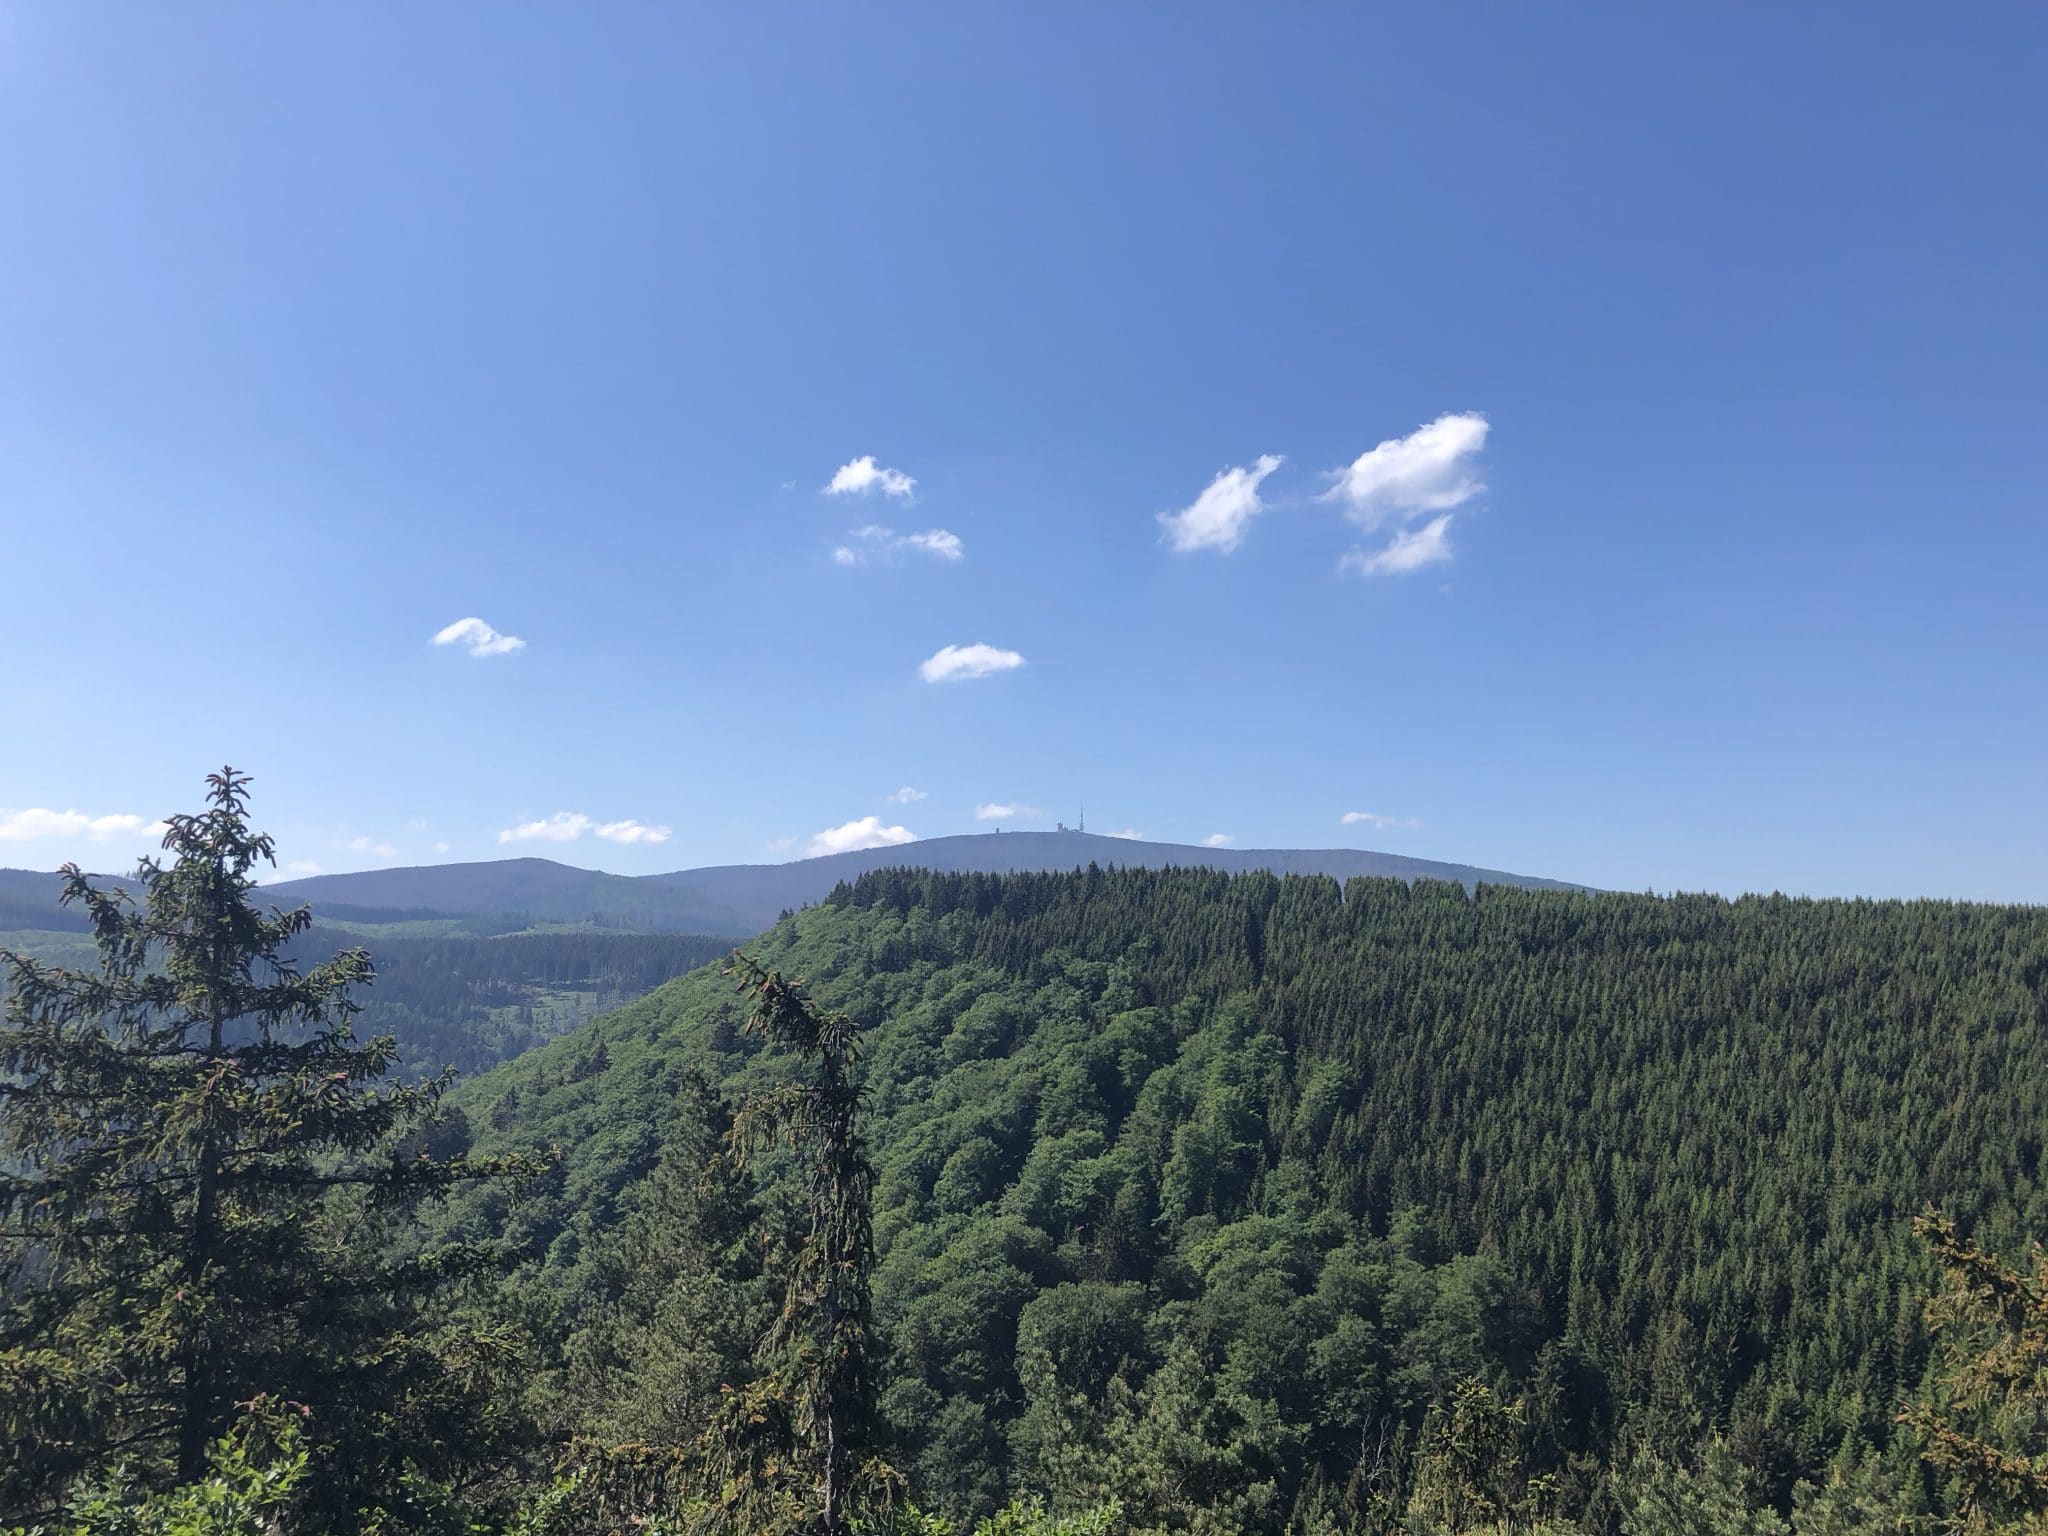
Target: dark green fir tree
199	1167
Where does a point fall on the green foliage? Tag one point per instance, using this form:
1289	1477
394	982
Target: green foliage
1668	1497
1642	1163
1471	1467
201	1166
793	1448
249	1488
1985	1417
1026	1517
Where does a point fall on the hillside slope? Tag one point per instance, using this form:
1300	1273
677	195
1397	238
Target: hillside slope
1647	1161
740	899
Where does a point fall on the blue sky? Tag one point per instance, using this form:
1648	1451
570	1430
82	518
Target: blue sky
325	327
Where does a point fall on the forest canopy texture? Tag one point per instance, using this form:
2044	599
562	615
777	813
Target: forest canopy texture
1261	1203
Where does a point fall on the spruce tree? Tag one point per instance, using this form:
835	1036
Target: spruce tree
185	1133
1985	1423
794	1449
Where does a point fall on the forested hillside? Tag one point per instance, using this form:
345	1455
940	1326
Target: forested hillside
451	997
455	1000
1246	1174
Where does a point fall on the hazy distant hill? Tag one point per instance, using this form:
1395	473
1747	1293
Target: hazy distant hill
740	899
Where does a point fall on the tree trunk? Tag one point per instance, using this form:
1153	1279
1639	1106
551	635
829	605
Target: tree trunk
195	1404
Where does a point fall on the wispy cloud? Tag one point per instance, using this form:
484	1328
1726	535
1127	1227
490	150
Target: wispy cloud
906	796
630	832
35	823
781	844
371	846
1219	840
1217	519
478	638
562	827
1381	823
991	811
568	826
1409	550
867	832
1406	479
300	868
863	475
875	542
958	663
1131	834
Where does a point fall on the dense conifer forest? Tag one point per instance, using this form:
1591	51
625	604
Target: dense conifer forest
1111	1201
1312	1157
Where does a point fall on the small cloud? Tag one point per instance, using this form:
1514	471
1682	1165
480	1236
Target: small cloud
372	847
1409	550
568	826
416	825
303	867
1429	470
994	812
875	542
1217	519
906	796
1219	839
1406	479
862	476
868	832
479	637
936	541
1129	834
34	823
562	827
1381	823
781	844
957	663
440	847
630	832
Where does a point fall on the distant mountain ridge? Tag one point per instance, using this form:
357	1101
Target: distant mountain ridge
737	900
742	899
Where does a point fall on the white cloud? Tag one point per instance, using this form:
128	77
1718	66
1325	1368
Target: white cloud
568	826
440	847
1429	470
479	637
862	475
906	796
33	823
1404	480
1381	823
781	844
875	542
303	867
562	827
936	541
994	812
1409	550
630	831
1130	834
371	846
416	825
868	832
1219	839
957	663
1217	519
